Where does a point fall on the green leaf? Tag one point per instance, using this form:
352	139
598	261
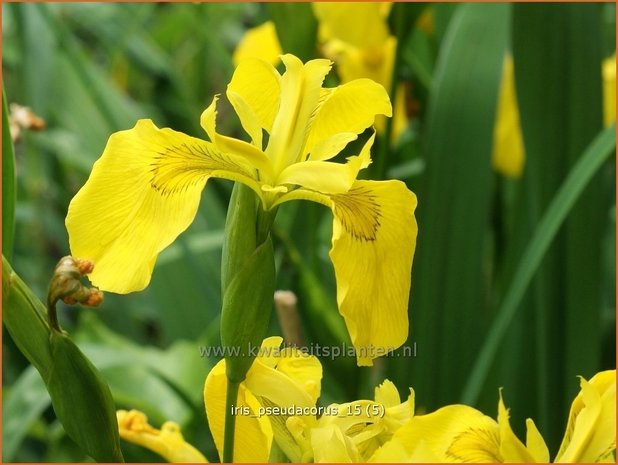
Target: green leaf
23	405
557	60
8	183
296	28
448	281
598	152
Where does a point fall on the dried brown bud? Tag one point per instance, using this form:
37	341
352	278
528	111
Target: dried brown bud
23	118
66	285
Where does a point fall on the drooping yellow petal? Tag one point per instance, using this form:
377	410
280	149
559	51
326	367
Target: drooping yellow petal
362	25
351	107
456	433
253	435
591	430
255	93
142	193
259	42
168	442
374	237
508	148
609	90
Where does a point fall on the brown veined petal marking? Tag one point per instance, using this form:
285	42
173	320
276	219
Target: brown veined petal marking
374	237
359	213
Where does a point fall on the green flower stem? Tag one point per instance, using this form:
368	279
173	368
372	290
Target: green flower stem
248	285
230	421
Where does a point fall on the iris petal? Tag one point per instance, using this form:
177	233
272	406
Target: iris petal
255	93
351	107
253	436
374	237
142	193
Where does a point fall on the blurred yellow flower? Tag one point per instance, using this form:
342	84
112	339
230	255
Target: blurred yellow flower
458	433
168	442
508	155
146	187
508	149
279	379
259	42
355	36
609	90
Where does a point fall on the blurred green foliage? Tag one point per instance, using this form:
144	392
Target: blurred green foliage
89	69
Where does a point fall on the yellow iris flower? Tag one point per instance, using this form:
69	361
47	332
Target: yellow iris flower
279	378
508	156
145	190
168	441
458	433
354	35
353	431
508	146
382	431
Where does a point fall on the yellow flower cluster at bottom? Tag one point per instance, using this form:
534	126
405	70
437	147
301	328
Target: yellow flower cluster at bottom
385	429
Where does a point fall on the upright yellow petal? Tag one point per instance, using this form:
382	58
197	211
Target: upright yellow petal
255	93
259	42
301	88
512	449
591	430
253	435
351	107
374	237
508	149
535	443
142	193
168	442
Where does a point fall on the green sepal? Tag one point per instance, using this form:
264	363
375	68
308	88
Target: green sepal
82	401
247	305
240	232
